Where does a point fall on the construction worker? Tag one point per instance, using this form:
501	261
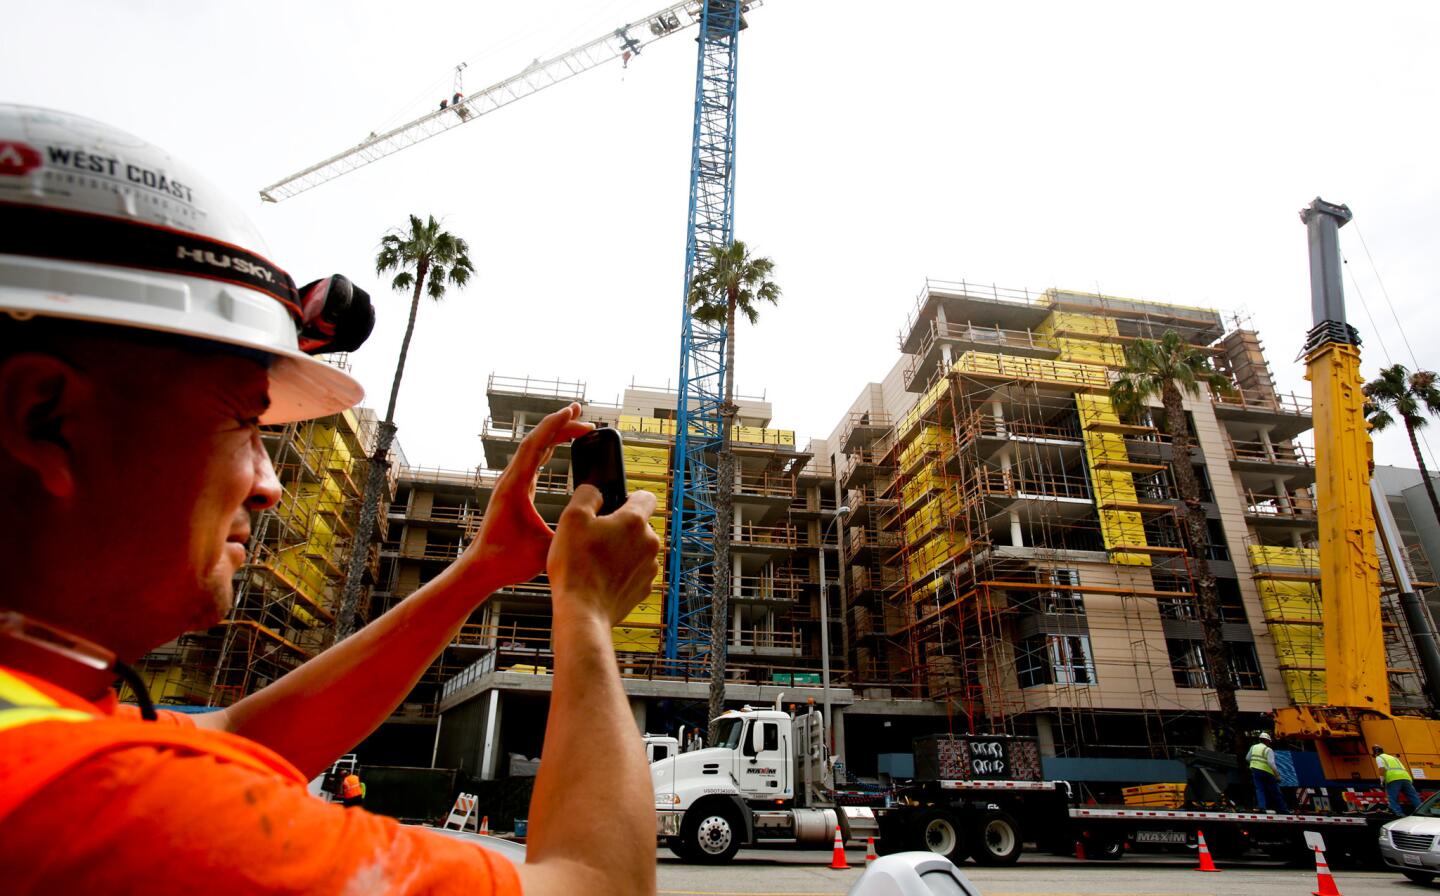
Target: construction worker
1266	776
1397	781
352	792
144	338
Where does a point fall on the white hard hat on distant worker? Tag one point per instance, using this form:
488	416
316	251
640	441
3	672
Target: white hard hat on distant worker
101	226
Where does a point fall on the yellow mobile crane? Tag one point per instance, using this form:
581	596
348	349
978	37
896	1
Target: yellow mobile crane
1356	713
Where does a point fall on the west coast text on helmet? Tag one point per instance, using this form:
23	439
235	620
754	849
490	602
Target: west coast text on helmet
102	226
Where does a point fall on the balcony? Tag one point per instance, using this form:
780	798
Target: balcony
1287	415
766	485
768	589
1293	509
511	395
861	542
862	429
751	536
968	336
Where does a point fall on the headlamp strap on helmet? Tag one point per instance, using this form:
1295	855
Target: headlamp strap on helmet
97	239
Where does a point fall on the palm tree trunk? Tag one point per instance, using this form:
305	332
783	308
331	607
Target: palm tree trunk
1207	593
1424	473
724	523
379	467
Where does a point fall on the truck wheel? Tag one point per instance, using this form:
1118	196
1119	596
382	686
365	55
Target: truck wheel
711	836
938	831
1105	848
996	839
1419	877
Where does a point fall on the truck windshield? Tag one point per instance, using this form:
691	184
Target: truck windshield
729	734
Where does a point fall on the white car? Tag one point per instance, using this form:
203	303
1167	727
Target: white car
1411	844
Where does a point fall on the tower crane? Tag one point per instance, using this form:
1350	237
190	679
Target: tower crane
623	43
710	223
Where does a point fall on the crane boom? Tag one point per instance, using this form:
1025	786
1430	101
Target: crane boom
627	39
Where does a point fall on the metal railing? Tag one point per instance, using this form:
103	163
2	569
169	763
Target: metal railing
524	385
1297	506
1282	403
1287	453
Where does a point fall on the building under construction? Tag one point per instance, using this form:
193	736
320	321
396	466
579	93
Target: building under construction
1014	554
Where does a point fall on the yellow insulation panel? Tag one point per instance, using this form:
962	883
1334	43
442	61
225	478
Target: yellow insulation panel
925	480
920	408
933	515
933	554
1042	370
1304	686
1117	527
1276	559
636	639
1283	601
929	440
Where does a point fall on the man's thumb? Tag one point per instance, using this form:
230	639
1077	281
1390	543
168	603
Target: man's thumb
587	498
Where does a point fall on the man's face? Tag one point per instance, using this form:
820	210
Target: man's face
186	469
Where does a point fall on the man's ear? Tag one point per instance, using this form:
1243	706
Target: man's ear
39	395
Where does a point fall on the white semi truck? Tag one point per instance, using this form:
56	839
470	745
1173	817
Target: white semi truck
767	779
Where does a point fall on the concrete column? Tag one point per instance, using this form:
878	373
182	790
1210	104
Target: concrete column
940	319
490	737
735	628
997	410
837	730
1045	734
1266	444
1283	498
947	355
637	708
1005	468
1017	534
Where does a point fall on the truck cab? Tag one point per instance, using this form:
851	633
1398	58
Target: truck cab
660	746
767	778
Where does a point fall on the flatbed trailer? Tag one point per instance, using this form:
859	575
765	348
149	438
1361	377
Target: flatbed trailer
991	820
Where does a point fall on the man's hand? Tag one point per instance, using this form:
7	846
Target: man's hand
602	566
514	539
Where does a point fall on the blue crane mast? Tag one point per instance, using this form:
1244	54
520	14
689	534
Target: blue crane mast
689	570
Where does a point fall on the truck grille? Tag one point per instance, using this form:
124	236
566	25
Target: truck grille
1412	842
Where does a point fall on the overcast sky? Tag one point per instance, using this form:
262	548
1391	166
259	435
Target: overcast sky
1155	150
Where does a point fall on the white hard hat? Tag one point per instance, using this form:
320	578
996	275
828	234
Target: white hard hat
101	226
1264	736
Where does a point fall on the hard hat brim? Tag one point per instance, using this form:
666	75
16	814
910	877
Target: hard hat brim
301	386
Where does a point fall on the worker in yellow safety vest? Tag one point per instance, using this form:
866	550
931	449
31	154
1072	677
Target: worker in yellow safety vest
1396	778
1266	776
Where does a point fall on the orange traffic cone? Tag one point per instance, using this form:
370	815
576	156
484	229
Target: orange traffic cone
485	825
838	860
1324	880
870	855
1206	863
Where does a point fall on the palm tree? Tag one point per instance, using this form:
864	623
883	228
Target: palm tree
426	259
731	282
1410	395
1164	368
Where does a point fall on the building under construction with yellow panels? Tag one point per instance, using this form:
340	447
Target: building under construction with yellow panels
1015	557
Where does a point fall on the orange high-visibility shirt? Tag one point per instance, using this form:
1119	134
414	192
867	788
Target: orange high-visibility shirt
94	800
350	787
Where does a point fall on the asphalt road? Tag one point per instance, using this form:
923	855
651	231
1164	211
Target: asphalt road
807	873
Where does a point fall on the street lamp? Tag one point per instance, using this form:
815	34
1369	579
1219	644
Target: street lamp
825	624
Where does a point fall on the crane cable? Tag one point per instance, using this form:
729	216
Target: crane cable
1420	432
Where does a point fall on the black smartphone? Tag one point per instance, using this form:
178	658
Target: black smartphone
596	459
